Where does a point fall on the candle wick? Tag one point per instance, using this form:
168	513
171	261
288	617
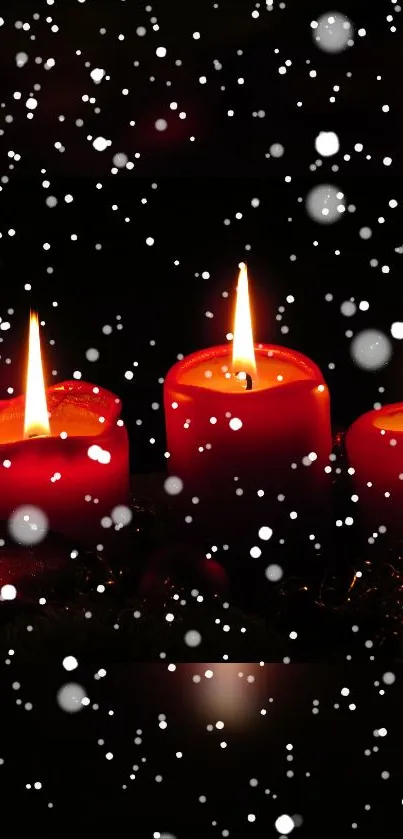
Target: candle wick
248	379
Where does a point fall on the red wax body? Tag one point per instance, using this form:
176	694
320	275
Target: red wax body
56	473
283	420
374	446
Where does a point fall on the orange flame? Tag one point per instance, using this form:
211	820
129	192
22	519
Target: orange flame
243	351
36	420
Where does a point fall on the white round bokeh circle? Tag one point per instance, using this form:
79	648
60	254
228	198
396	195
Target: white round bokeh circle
120	159
396	330
276	150
274	573
173	485
121	515
8	592
371	349
70	698
327	143
284	824
193	638
348	308
325	204
28	525
333	32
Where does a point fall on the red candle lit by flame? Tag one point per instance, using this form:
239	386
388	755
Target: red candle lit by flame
63	450
374	446
246	425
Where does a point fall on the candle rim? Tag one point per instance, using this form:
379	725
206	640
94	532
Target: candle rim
315	375
371	420
111	415
387	411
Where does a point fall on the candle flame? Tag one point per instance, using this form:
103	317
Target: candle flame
36	420
243	351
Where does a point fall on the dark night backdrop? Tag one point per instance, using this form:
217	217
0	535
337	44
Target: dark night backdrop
191	188
197	186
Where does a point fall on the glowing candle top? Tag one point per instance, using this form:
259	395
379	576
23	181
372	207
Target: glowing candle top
248	368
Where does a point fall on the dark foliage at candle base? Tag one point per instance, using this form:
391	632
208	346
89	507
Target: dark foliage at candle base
344	600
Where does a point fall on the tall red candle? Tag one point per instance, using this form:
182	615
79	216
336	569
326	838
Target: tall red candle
374	447
262	434
64	451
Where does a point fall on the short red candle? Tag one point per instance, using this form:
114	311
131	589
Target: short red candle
283	420
374	447
63	451
56	473
247	422
215	428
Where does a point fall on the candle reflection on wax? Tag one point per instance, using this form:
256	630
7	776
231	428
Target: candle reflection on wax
232	693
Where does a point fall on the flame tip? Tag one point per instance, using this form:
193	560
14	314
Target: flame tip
243	350
36	420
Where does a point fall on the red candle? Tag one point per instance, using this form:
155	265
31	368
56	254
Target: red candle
63	450
247	423
374	446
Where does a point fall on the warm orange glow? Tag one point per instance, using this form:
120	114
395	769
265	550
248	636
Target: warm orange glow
243	351
36	420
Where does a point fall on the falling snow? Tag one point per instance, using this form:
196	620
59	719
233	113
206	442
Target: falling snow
145	154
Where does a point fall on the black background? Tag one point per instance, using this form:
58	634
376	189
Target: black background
191	188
